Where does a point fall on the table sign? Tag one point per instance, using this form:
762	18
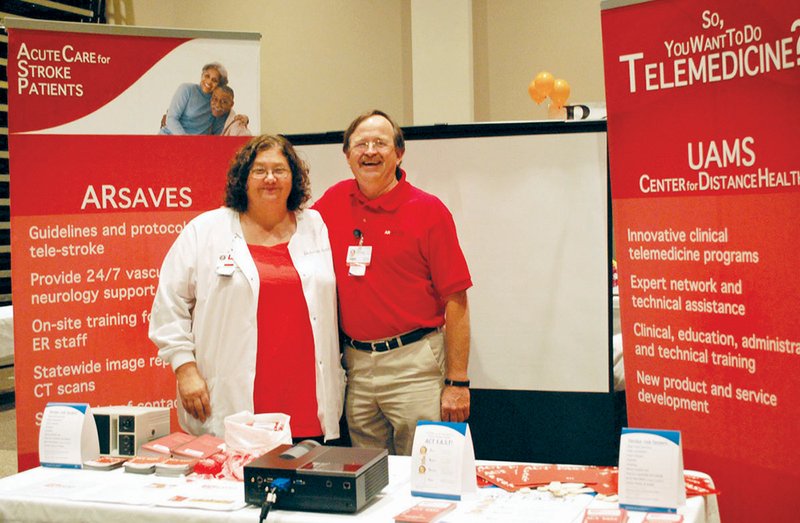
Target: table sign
67	435
442	460
651	470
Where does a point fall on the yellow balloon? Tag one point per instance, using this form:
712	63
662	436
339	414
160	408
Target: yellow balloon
560	93
543	83
538	98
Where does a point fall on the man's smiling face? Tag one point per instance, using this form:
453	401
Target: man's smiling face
373	157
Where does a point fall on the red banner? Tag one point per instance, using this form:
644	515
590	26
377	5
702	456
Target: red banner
96	203
705	177
87	70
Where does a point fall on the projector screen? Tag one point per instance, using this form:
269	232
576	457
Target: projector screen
532	217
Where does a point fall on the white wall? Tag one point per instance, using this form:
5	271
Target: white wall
533	230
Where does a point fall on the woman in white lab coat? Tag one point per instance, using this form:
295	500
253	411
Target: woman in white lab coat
245	311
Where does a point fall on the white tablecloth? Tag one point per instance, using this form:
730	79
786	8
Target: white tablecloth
21	500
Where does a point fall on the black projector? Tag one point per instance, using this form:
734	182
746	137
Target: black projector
317	478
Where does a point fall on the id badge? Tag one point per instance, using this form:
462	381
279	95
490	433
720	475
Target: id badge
359	254
358	257
225	265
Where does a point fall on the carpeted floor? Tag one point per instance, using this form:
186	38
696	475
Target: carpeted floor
8	424
8	442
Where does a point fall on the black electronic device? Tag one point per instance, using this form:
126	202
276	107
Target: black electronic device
313	477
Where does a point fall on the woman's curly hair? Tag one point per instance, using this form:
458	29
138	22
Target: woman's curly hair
242	162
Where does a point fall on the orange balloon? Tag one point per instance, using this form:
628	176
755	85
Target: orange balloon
538	98
560	93
543	83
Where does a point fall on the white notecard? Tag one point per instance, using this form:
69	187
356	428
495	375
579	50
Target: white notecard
67	435
442	460
651	470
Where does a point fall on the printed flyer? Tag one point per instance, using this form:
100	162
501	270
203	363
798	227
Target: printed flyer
705	179
100	190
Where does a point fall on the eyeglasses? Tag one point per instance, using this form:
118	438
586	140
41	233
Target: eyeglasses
378	145
280	173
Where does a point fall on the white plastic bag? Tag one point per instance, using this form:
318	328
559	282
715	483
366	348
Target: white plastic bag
248	432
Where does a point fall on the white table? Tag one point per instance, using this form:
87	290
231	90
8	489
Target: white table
18	505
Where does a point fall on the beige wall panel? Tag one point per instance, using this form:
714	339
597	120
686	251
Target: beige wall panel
441	44
523	37
322	62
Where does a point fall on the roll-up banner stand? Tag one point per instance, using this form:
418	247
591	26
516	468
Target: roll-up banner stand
705	175
97	197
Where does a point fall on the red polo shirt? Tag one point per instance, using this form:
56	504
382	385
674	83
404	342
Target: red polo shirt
416	258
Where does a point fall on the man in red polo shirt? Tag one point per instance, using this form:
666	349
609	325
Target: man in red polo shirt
402	282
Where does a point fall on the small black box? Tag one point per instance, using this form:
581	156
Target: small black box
323	479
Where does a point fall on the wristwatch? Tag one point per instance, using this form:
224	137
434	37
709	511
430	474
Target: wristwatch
454	383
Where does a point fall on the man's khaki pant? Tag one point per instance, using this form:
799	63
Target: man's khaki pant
388	392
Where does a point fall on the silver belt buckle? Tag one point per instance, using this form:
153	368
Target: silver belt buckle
381	346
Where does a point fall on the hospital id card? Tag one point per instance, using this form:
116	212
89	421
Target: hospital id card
358	257
225	265
359	254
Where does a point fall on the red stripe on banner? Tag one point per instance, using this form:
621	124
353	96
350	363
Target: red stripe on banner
118	174
57	77
691	145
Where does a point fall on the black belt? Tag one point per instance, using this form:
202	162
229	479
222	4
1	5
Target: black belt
389	343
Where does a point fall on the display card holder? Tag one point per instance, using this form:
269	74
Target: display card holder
67	435
442	460
651	470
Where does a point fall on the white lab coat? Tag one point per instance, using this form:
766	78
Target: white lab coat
202	315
